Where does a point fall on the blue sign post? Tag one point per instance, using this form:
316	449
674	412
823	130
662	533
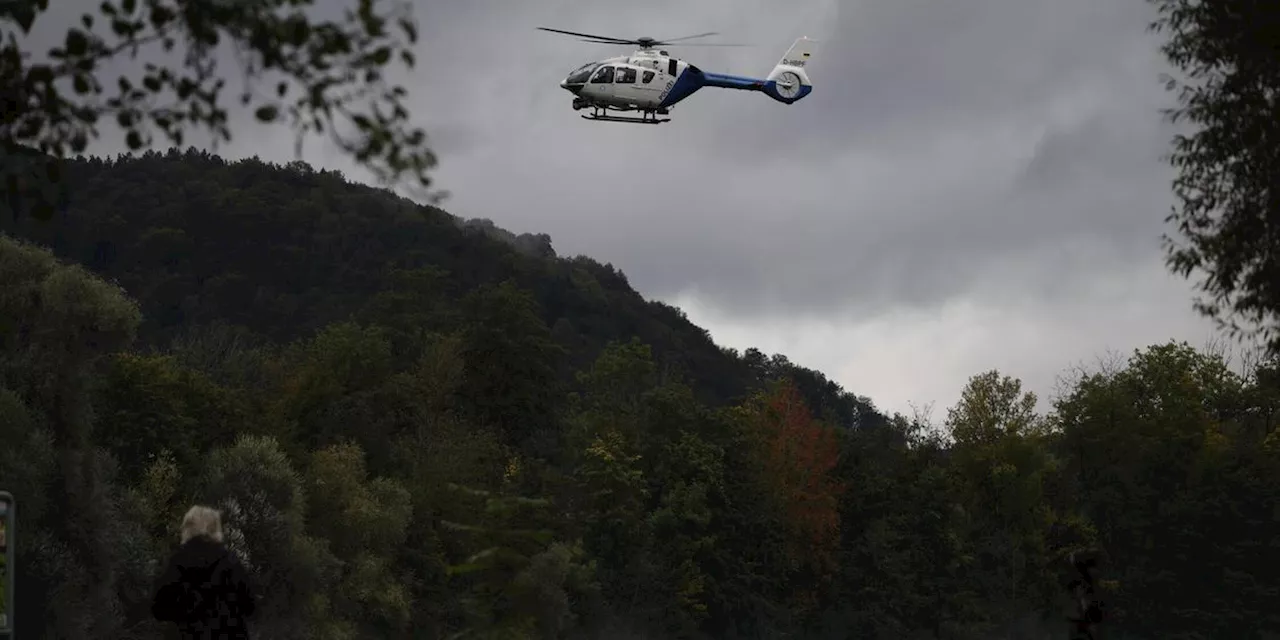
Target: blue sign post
6	564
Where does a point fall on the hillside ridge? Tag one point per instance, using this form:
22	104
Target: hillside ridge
283	250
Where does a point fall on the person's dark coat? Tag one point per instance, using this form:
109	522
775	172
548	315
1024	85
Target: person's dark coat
205	590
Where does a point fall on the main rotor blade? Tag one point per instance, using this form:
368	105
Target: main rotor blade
588	35
700	35
659	44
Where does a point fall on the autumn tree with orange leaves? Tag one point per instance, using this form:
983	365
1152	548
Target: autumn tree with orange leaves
797	455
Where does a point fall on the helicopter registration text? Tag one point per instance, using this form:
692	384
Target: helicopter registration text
794	63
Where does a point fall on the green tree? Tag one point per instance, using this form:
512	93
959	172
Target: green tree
365	521
412	304
519	582
28	466
149	404
612	508
685	531
1176	491
907	570
343	386
442	452
999	469
510	381
264	506
57	322
1228	182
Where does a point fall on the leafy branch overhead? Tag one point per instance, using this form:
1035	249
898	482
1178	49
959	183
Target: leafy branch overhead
1228	210
324	77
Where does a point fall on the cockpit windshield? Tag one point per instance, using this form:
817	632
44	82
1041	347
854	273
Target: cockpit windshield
580	75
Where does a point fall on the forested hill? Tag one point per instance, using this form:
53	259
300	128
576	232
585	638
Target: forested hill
419	427
267	252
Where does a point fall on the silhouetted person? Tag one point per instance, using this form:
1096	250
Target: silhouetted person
205	588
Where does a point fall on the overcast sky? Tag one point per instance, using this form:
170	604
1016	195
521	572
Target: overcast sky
971	185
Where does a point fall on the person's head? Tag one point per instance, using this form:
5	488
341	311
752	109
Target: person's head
202	521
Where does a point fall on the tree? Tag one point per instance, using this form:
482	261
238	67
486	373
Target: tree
149	404
263	501
365	520
518	581
999	467
1229	207
1178	493
334	68
799	457
992	408
511	362
58	322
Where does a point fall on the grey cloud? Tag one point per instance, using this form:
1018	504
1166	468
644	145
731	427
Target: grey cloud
943	143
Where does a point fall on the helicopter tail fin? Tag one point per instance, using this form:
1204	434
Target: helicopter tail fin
780	82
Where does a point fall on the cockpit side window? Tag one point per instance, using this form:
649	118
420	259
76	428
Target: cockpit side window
603	76
648	77
626	75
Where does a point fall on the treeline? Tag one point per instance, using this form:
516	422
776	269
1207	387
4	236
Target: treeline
436	458
374	499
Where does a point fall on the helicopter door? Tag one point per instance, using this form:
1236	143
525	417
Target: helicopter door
647	87
625	80
601	84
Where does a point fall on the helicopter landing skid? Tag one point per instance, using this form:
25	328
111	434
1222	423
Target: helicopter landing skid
647	117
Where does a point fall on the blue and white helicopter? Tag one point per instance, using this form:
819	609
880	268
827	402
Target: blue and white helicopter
652	82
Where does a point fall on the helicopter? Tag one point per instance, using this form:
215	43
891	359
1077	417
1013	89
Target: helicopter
652	82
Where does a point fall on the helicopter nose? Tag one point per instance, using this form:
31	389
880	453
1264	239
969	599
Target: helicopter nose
572	87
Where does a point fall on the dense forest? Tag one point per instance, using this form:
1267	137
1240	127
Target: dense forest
418	426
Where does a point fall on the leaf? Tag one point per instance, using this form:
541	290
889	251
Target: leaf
267	113
160	16
77	43
410	29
